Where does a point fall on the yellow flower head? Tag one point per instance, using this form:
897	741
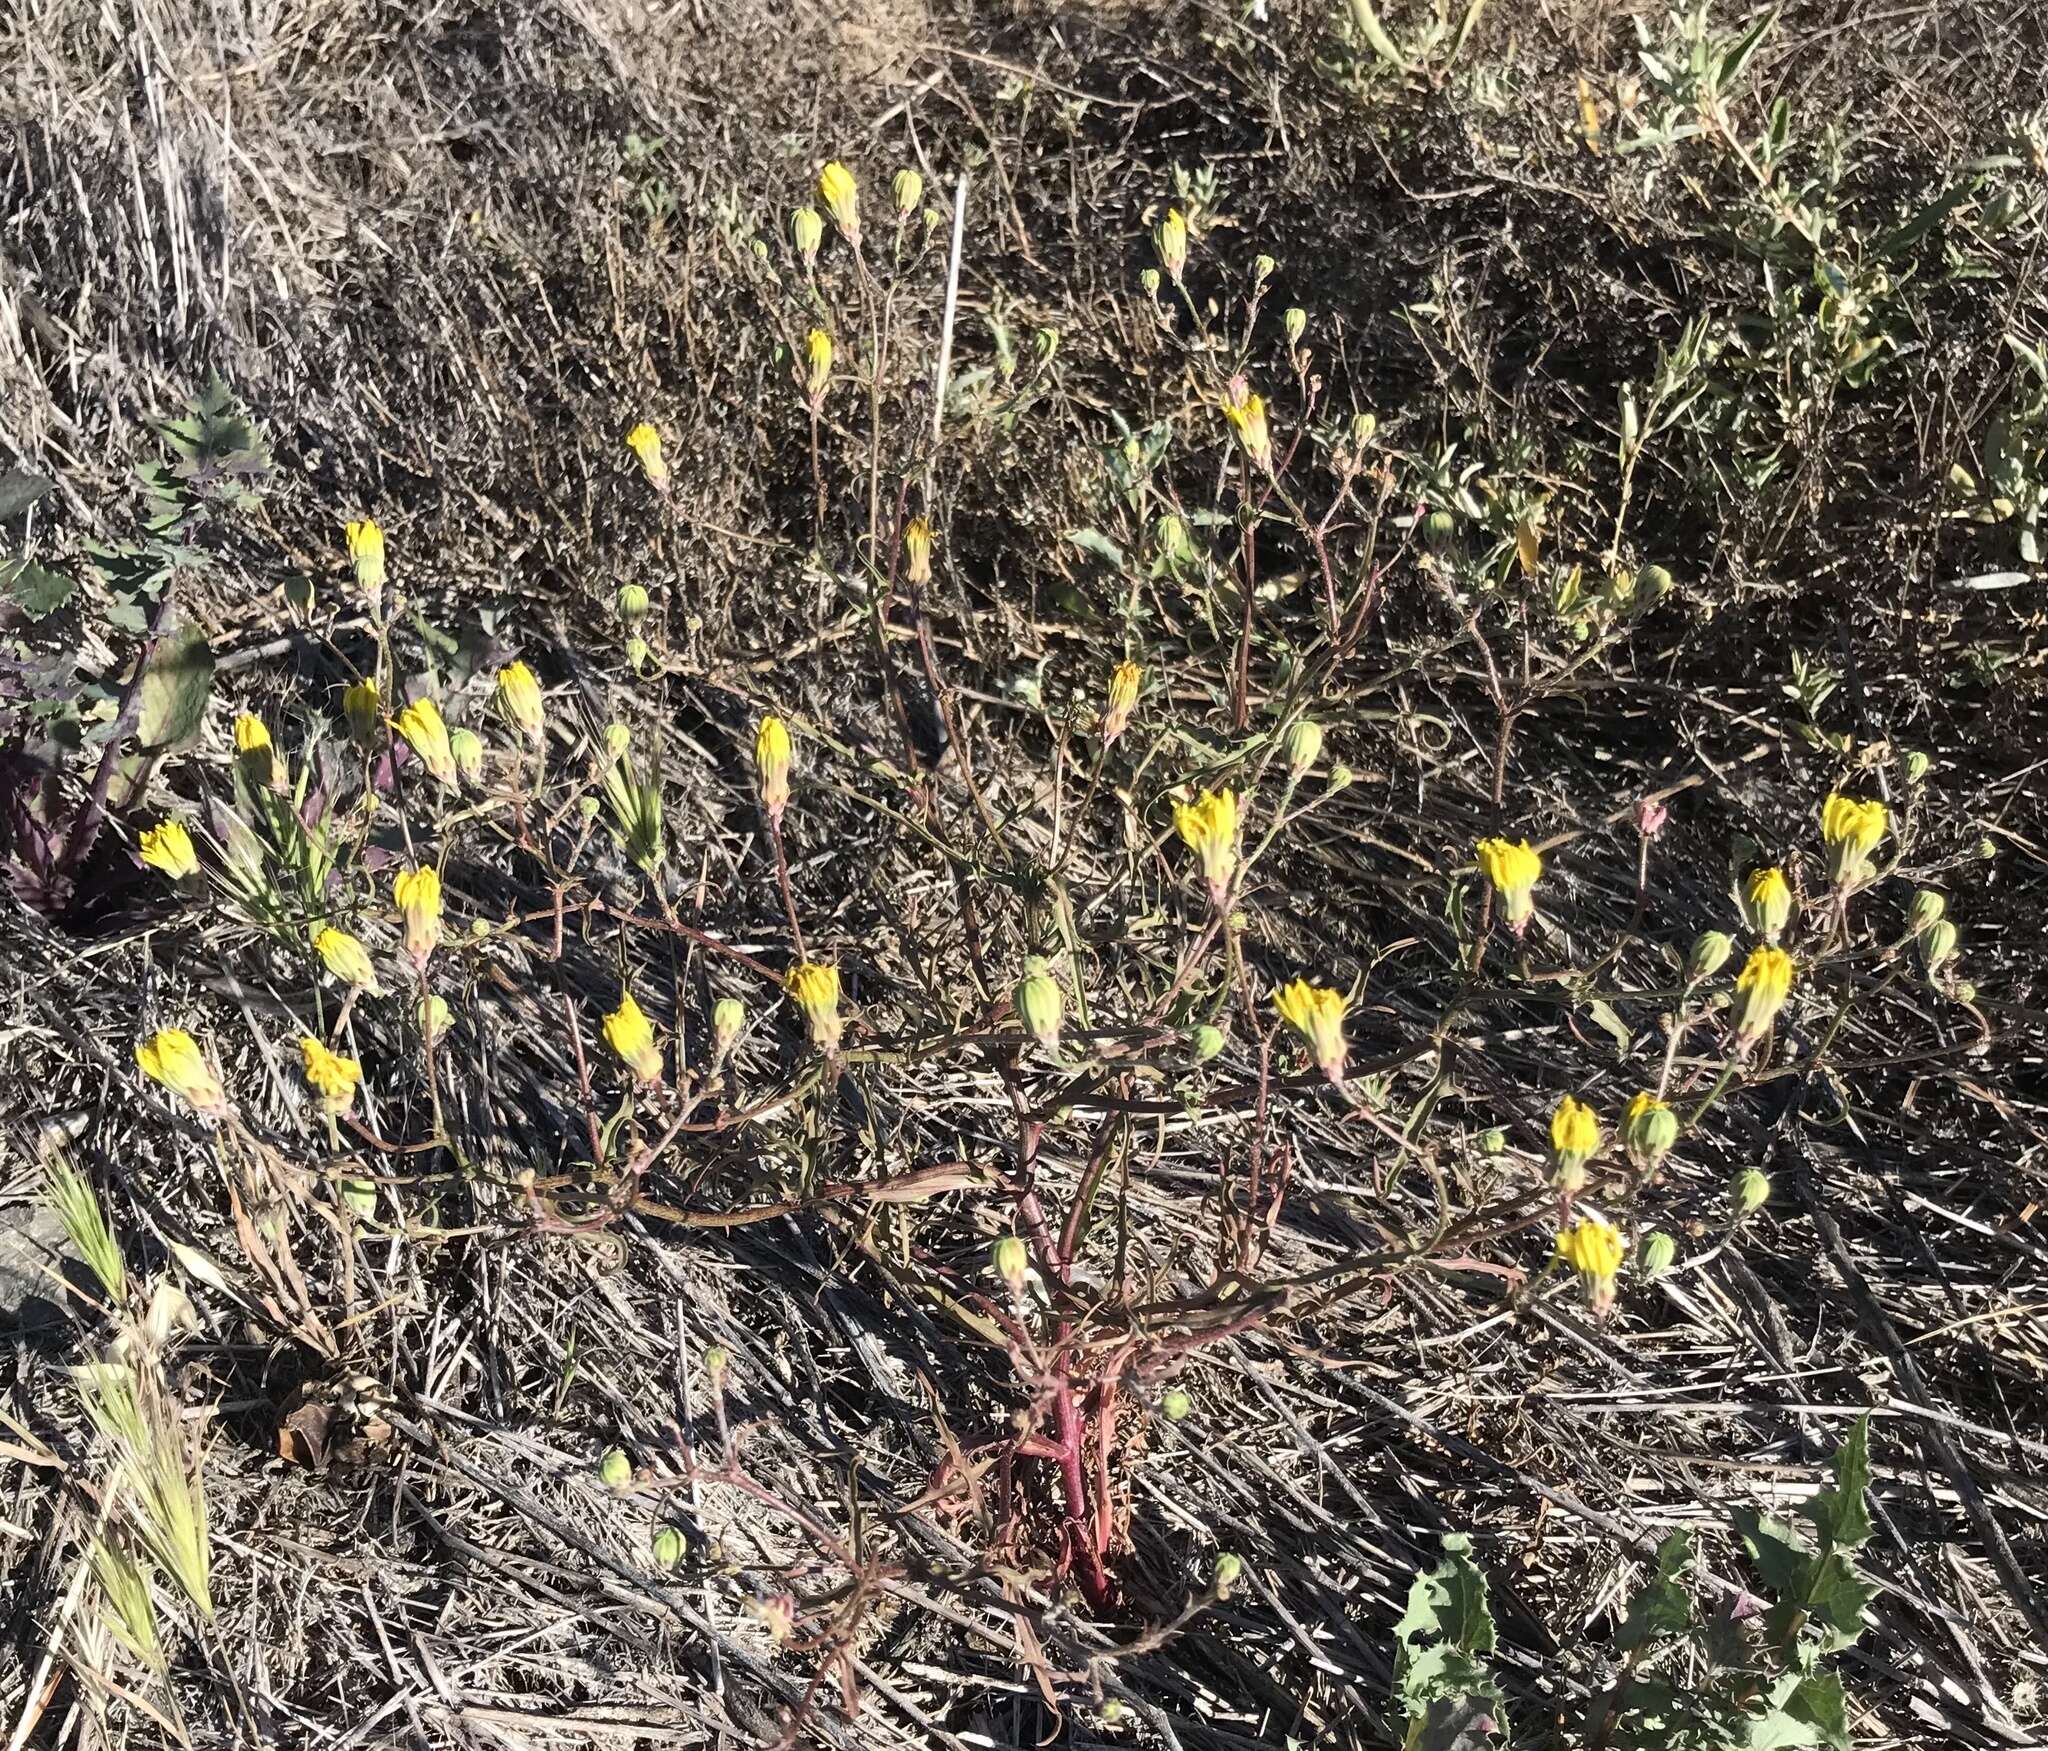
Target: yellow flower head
361	707
347	959
1208	827
1512	869
841	195
771	763
1574	1141
173	1058
1767	903
631	1035
1124	681
645	442
1593	1247
817	362
1317	1014
917	551
1246	413
168	847
814	988
366	553
1170	240
1760	992
518	695
1851	831
331	1076
1648	1130
426	733
258	759
418	895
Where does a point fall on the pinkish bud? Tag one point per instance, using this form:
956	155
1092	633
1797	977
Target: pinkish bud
1650	817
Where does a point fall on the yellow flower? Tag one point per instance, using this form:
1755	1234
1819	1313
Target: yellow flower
841	195
366	553
1648	1130
1208	827
252	748
1513	870
1124	681
631	1035
173	1058
771	762
818	361
1246	413
917	551
426	732
1767	903
1170	239
814	988
347	959
1851	831
168	847
1592	1246
1317	1014
331	1076
361	707
645	442
418	894
1760	992
519	699
806	231
1574	1141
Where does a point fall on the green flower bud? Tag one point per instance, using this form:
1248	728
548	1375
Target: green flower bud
1653	581
1174	1405
1917	764
1262	269
1045	343
1750	1193
1927	910
1963	991
668	1547
1229	1568
933	218
1304	745
1987	849
1710	952
1659	1253
1149	279
1205	1042
728	1017
760	248
637	653
432	1014
1363	425
1172	535
587	807
615	1470
1340	779
617	739
1937	945
360	1195
1493	1141
1439	529
632	603
1011	1262
806	231
1295	321
716	1361
1114	1711
1039	1003
468	749
1649	1131
907	188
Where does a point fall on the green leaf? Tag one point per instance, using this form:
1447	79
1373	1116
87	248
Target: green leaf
1841	1515
1738	58
1660	1607
1450	1602
1095	542
1837	1597
176	682
1774	1547
1616	1029
19	489
35	590
1819	1702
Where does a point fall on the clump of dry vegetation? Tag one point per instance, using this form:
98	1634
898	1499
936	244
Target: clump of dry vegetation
969	879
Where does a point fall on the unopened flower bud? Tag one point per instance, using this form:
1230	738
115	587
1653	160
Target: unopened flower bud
1926	911
1174	1405
1917	764
1011	1262
1304	745
468	748
906	188
1205	1042
1659	1253
1149	279
1172	536
637	653
1493	1141
667	1547
1937	945
1363	425
632	603
806	232
432	1015
1039	1003
1229	1569
1750	1192
1045	342
1653	581
1650	817
615	1470
1341	778
1295	321
728	1017
716	1361
1262	269
617	739
1710	952
1649	1131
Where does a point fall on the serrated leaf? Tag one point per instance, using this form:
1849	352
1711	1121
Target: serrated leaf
176	681
37	591
1841	1515
1838	1597
1660	1607
1774	1547
1819	1702
19	489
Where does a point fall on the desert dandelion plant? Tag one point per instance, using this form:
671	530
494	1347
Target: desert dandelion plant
1512	870
519	698
347	959
1767	903
426	733
813	987
631	1037
417	893
1851	831
1574	1141
771	766
366	553
1124	681
1208	827
330	1075
645	443
1760	992
841	195
168	847
172	1057
1317	1014
1593	1247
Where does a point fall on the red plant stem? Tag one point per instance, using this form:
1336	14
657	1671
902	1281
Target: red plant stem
1081	1542
1241	686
